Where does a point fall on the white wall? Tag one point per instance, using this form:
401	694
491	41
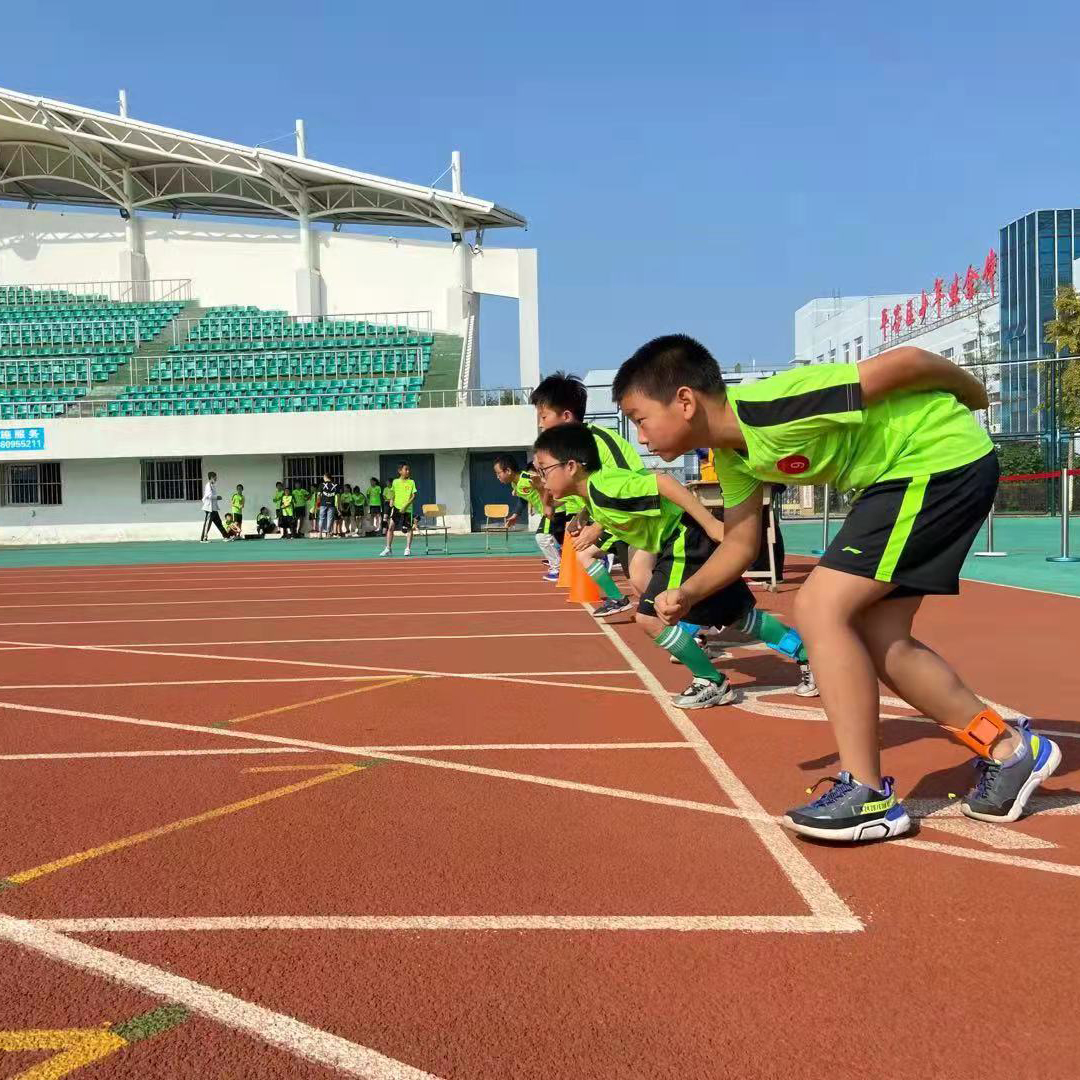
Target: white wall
102	500
100	462
378	431
829	322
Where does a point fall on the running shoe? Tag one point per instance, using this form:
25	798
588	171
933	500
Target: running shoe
384	553
704	694
807	683
408	552
851	811
1002	790
552	575
612	607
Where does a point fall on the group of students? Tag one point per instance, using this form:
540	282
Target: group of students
897	430
331	510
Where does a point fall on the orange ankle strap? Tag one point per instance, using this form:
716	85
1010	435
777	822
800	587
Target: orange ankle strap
983	730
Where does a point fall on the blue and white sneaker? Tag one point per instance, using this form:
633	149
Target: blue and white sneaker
1003	788
850	811
552	575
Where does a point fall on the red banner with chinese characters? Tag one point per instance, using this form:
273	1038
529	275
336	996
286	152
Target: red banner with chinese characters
975	286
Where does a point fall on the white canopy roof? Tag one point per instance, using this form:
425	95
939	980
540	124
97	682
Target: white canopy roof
53	152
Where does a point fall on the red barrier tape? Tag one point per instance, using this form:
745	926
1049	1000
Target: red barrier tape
1037	476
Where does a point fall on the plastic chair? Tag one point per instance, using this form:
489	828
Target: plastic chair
432	521
495	521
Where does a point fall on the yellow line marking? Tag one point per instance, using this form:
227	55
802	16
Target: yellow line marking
77	1046
294	768
320	700
23	876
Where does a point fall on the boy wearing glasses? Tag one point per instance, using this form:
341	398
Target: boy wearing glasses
672	535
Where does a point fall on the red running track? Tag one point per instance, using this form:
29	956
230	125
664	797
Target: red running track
429	819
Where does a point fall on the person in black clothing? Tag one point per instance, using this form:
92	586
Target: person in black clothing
327	500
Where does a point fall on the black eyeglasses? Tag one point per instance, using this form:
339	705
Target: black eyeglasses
543	470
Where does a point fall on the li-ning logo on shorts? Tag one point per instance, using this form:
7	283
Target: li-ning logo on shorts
793	464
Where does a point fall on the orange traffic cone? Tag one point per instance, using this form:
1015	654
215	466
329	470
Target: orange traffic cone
567	562
583	590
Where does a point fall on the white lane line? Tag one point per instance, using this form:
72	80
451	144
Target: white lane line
331	583
381	595
761	924
364	750
314	640
293	616
361	569
1020	588
998	857
277	1029
80	754
408	759
808	882
287	679
474	676
826	922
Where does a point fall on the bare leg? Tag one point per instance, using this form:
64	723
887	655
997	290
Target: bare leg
916	673
827	613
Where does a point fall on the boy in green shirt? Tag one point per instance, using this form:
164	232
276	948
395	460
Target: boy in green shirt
300	508
897	430
278	495
402	497
238	506
286	517
563	399
672	535
375	502
525	485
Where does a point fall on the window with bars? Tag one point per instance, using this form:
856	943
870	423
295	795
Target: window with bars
858	349
30	484
307	470
172	480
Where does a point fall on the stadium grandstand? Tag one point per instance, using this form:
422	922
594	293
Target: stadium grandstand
172	304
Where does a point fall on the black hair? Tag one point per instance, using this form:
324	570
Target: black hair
664	364
507	462
279	484
376	480
563	393
239	487
570	442
211	476
403	465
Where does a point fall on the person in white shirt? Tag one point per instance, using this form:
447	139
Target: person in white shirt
210	500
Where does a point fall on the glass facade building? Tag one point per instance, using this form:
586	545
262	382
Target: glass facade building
1036	255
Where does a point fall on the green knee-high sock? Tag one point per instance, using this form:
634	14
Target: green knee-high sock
772	631
686	650
598	571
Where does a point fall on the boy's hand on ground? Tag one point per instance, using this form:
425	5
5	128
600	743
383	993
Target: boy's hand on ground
587	537
671	606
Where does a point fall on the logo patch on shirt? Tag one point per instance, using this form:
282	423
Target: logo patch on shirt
793	464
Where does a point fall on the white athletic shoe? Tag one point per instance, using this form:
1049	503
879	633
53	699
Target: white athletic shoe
408	552
703	694
385	551
807	683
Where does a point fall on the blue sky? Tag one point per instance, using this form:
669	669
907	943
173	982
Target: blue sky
697	167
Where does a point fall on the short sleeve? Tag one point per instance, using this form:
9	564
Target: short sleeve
737	482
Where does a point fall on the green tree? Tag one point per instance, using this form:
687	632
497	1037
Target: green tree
1063	332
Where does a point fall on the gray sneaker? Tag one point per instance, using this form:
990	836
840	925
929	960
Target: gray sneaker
851	811
1002	791
807	683
611	607
704	694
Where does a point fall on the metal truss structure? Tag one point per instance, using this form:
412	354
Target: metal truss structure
52	152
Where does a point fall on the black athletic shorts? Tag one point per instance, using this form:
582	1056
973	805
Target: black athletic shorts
683	554
402	519
553	526
916	532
